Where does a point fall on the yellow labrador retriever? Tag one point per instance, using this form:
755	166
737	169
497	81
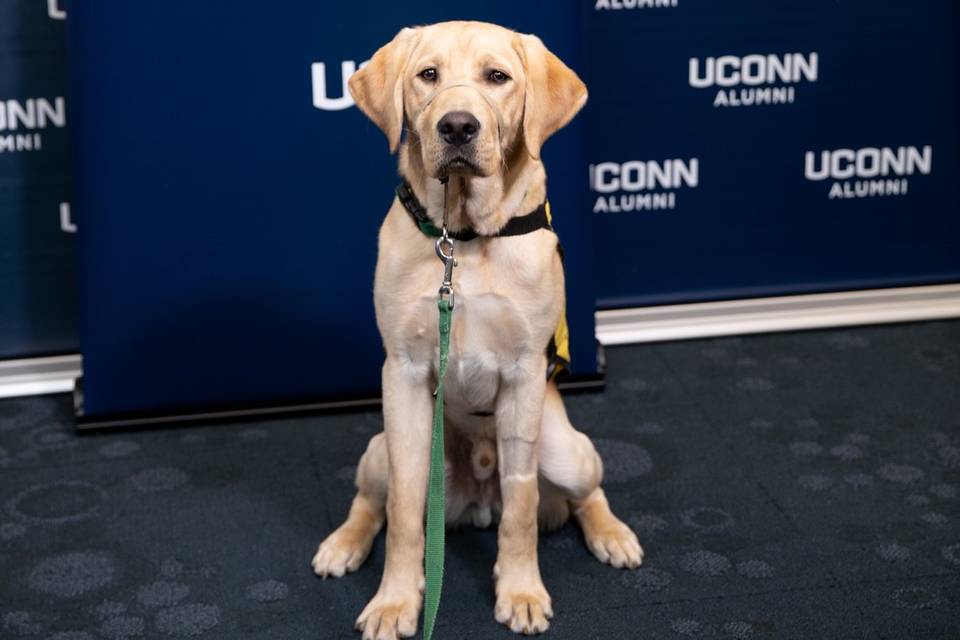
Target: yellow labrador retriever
477	102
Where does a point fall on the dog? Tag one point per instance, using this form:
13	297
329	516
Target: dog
477	101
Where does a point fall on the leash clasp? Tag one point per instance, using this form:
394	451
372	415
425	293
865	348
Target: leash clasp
444	248
446	242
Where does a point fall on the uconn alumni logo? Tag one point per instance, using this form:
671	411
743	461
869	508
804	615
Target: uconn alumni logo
22	120
641	185
55	11
755	78
866	172
321	95
608	5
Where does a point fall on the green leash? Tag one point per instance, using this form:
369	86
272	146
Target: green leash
433	564
436	490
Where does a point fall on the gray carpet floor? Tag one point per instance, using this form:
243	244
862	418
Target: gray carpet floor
802	485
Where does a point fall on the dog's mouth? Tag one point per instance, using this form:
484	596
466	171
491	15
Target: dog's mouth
460	165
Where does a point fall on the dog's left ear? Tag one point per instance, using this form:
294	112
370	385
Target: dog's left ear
377	88
554	93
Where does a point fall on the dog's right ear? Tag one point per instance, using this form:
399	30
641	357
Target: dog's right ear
377	88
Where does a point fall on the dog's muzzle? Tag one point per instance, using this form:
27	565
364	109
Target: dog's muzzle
458	124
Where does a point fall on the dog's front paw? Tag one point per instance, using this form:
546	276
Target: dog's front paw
387	618
343	551
612	542
525	608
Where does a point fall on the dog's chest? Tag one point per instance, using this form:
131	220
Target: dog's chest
499	316
488	335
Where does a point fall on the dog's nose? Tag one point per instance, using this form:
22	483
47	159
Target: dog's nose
458	128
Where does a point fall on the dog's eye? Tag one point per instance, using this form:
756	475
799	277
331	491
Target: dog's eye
429	74
497	76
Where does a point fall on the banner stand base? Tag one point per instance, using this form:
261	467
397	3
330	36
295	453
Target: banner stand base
93	424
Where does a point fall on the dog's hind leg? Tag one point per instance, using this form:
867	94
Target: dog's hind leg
569	461
554	509
345	549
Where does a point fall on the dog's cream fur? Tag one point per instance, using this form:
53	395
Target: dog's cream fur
524	463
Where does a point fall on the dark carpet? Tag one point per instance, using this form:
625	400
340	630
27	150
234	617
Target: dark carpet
802	485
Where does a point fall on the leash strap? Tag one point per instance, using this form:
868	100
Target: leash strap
433	563
436	489
436	485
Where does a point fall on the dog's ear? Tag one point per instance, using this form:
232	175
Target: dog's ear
554	93
377	87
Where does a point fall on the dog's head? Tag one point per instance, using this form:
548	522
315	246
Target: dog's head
467	92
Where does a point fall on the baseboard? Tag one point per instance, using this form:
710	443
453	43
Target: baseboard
786	313
37	376
173	418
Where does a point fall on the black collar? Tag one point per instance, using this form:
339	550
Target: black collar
539	218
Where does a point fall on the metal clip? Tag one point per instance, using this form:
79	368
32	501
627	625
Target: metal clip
449	262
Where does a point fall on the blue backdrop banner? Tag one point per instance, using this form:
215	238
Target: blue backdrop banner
231	198
750	148
38	301
728	150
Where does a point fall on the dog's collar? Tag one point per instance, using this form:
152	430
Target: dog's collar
539	218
